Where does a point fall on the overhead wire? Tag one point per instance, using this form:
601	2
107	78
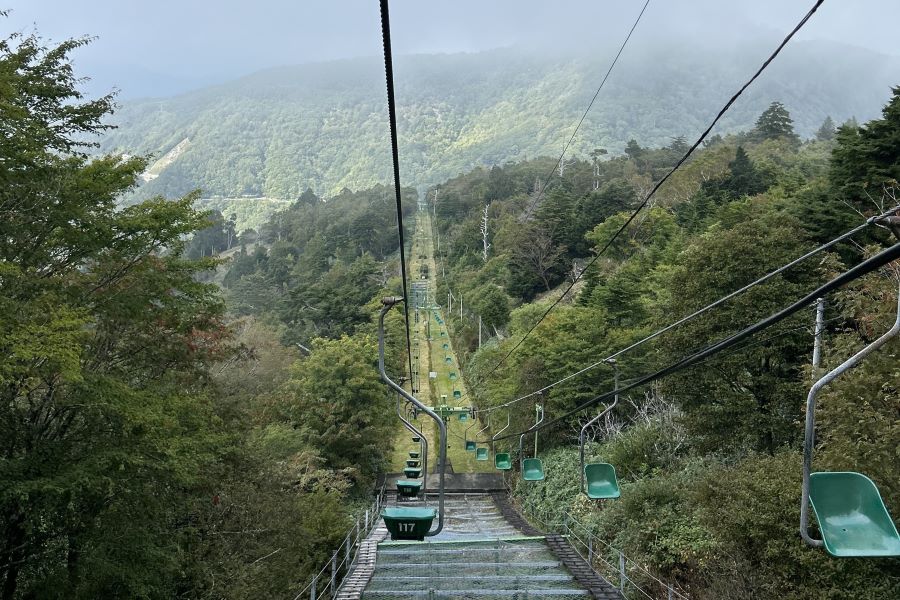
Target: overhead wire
867	266
697	313
395	158
662	181
584	115
562	155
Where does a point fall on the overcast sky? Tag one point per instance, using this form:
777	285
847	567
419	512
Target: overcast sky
165	46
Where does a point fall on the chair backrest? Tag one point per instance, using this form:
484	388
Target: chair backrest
532	469
502	461
601	481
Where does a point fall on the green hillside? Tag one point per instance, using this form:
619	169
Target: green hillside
323	126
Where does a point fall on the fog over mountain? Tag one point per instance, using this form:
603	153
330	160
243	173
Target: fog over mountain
324	126
171	46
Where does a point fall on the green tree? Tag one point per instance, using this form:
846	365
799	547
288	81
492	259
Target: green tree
866	161
104	424
826	131
775	122
340	407
748	398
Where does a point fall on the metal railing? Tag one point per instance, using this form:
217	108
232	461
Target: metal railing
632	578
328	580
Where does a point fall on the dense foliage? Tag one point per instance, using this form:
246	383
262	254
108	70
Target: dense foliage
322	126
150	445
161	436
710	457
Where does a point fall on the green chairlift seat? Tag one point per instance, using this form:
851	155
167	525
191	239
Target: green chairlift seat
407	522
853	519
446	346
413	472
448	360
416	439
412	463
532	469
457	394
470	445
452	376
502	461
443	333
463	416
408	488
414	454
481	454
601	481
851	515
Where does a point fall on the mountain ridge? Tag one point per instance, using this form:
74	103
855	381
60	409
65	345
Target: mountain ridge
323	126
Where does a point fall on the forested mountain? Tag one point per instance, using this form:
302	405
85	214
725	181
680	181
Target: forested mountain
324	126
162	436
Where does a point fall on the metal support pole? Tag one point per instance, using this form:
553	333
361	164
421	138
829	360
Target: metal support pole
367	520
496	435
312	588
590	551
479	331
333	572
347	552
670	594
621	572
819	331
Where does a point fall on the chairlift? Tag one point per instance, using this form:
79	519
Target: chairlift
600	477
482	453
403	522
532	468
470	445
408	488
852	517
502	461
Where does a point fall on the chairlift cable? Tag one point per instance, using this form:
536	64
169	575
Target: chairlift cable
697	313
586	111
665	178
879	260
395	158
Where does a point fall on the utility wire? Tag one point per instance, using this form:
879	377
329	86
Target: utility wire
697	313
660	183
586	111
395	157
865	267
562	155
